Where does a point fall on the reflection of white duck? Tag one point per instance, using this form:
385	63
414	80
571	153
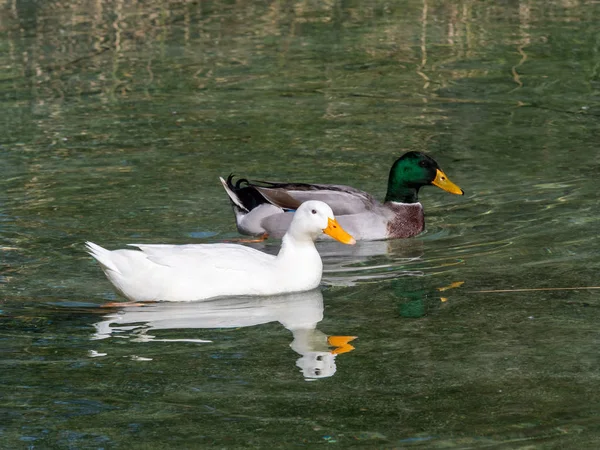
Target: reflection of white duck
298	312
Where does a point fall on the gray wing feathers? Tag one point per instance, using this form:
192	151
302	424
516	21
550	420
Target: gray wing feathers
341	199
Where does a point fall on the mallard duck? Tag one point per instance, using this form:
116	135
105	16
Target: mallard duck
265	208
202	271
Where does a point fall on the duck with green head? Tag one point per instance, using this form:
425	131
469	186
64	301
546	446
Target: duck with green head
266	208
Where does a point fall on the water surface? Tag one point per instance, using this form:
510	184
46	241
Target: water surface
117	119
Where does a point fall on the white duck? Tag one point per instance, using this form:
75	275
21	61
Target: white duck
201	271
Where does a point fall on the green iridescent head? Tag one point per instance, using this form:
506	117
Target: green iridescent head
412	171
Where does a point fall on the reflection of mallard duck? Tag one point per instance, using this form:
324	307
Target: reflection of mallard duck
201	271
265	207
299	312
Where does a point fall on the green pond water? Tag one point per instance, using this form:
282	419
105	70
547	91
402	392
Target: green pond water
116	120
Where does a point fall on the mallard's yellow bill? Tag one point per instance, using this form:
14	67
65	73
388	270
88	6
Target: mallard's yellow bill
341	344
442	181
335	230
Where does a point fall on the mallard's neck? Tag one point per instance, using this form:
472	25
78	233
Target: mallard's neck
399	192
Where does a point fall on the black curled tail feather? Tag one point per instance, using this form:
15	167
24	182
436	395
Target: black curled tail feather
248	195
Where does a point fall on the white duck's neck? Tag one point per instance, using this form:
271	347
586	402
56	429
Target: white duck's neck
298	237
294	247
298	260
300	264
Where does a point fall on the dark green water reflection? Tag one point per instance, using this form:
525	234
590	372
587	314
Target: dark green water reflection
117	119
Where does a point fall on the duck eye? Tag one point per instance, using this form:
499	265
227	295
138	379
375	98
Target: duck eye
423	163
314	211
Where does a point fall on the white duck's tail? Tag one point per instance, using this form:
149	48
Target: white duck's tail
102	256
233	196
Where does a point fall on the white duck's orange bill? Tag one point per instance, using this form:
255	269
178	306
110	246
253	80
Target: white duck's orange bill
335	230
442	181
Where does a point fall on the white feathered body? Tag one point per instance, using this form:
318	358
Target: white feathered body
202	271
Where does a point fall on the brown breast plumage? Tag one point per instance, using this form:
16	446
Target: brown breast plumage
408	220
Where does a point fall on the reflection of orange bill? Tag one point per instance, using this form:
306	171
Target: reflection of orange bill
456	284
443	182
335	230
341	344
